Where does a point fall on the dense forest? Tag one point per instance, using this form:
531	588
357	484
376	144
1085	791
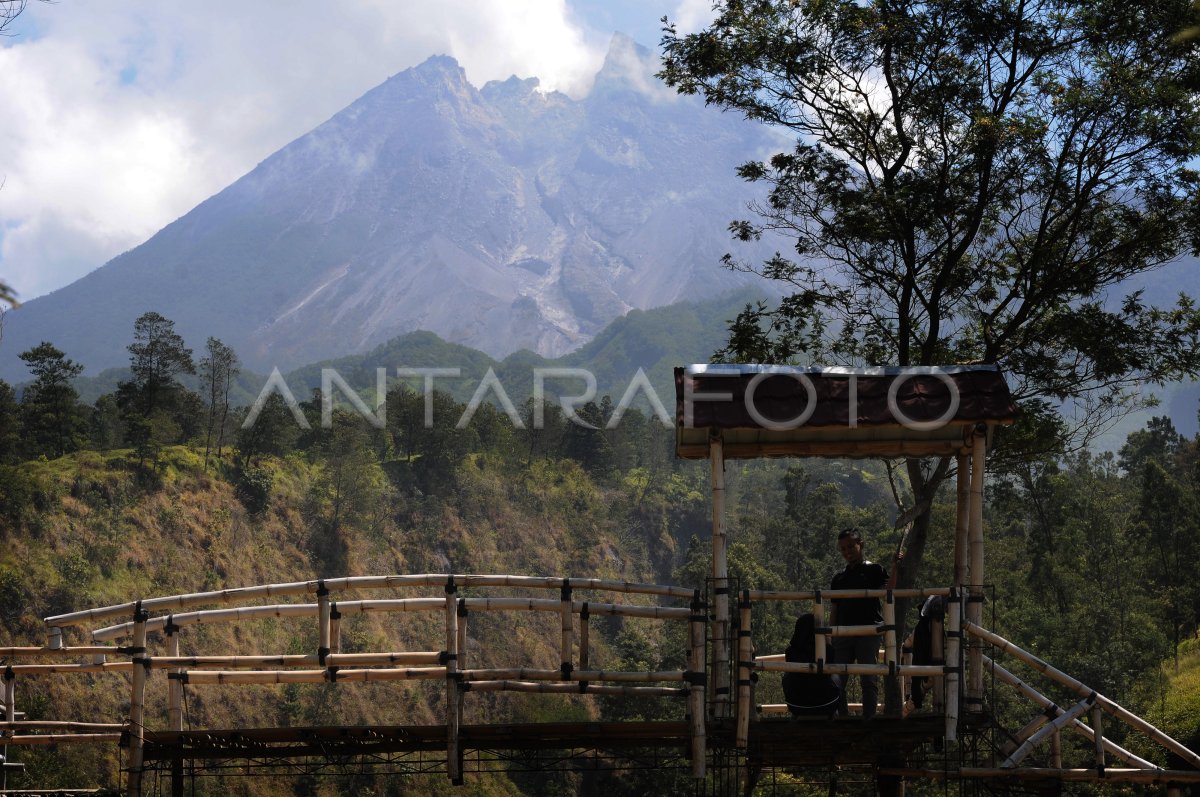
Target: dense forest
157	489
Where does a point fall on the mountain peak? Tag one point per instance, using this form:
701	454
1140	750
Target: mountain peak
627	65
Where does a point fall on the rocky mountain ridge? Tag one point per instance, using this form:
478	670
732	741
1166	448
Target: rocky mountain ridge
501	218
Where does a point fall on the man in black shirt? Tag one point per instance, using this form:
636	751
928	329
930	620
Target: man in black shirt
859	574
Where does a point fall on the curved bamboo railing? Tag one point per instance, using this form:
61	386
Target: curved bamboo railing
573	674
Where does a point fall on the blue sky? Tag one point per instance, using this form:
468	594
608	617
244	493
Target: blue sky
121	116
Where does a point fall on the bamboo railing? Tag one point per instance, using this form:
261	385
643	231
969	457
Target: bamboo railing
573	673
136	638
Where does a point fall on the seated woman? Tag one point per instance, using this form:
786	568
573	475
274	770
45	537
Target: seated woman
808	694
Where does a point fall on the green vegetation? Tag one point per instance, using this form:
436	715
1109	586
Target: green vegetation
973	182
1089	556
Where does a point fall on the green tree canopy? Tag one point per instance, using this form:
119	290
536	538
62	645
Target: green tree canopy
972	181
50	416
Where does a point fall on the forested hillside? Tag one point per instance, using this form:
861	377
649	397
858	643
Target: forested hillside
156	490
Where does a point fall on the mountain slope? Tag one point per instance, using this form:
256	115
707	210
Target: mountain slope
501	218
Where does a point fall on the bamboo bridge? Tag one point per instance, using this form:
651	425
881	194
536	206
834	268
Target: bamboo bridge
724	739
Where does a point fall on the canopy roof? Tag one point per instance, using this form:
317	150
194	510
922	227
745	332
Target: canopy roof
773	410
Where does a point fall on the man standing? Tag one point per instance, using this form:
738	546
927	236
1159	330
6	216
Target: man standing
859	574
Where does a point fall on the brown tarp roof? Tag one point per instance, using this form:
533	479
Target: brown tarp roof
765	410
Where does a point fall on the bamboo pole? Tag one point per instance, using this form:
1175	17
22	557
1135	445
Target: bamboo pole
210	616
1026	747
10	695
954	662
137	730
889	633
62	738
720	577
335	628
1056	759
696	690
461	649
566	646
1079	727
938	691
268	677
912	670
189	600
1098	728
962	521
531	674
453	764
1079	688
585	633
1162	777
174	684
50	652
819	623
744	662
50	725
62	669
835	594
323	610
575	689
975	598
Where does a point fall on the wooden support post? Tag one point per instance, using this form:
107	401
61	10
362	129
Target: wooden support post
174	681
697	624
891	653
1056	760
954	661
453	760
1098	728
137	730
975	598
720	577
745	653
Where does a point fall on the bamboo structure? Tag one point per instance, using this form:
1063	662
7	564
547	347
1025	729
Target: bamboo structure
575	673
954	634
1055	725
696	712
174	684
962	521
744	664
453	761
975	596
1079	688
137	730
720	579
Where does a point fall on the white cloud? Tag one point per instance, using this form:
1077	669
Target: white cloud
692	15
122	116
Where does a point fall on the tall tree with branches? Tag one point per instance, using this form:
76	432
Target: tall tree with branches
218	369
973	181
